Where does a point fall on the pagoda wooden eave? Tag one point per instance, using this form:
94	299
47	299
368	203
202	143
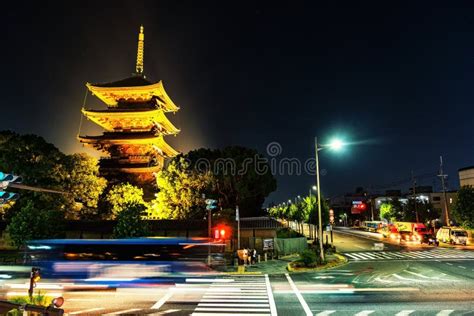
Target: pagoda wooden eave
111	95
155	141
112	120
150	169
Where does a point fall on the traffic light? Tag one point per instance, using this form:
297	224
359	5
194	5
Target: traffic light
222	232
34	277
7	196
5	180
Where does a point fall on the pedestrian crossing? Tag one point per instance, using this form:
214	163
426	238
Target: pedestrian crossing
429	312
410	255
241	295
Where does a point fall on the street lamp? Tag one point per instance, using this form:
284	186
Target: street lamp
335	144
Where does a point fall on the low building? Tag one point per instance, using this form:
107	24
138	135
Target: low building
466	176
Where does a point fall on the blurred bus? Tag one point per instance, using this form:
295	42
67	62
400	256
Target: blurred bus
123	259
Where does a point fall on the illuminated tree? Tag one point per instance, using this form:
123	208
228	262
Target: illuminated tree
463	210
386	212
180	192
130	221
121	196
82	179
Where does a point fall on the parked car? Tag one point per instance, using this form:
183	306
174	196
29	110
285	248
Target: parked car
452	235
429	239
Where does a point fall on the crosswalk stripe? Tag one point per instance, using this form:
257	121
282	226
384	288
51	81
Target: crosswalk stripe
223	309
416	255
325	313
233	300
364	313
404	313
445	312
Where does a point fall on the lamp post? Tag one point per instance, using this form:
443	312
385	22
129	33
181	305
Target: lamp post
336	145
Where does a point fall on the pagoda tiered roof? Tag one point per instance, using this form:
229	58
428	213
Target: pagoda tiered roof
123	138
135	89
132	119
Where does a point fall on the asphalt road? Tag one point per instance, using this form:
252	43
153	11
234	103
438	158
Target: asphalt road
419	285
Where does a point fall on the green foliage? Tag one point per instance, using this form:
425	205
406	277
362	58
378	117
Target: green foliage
425	210
130	221
42	165
288	233
308	258
31	222
387	212
121	196
463	210
83	179
241	176
181	189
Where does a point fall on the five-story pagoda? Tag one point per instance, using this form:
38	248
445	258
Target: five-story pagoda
134	123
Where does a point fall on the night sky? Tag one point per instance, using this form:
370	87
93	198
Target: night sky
396	78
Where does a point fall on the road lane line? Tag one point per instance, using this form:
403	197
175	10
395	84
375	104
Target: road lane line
163	300
227	314
232	305
445	312
404	313
232	300
87	311
127	311
325	313
462	267
273	308
299	296
222	309
449	263
364	313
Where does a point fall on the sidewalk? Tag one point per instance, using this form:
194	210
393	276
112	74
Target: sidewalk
275	266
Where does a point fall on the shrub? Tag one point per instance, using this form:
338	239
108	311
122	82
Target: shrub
308	258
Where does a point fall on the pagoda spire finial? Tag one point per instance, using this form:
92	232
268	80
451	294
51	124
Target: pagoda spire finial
140	50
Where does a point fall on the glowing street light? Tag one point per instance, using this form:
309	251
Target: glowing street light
335	144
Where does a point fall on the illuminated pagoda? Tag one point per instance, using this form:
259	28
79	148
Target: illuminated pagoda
135	124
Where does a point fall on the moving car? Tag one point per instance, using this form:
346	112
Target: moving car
452	235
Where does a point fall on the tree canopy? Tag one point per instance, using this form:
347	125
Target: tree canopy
33	222
121	196
463	210
181	189
130	221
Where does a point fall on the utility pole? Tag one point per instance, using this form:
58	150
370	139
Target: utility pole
443	177
414	196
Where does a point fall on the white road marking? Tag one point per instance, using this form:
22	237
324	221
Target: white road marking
87	311
222	309
325	313
445	312
232	305
364	313
226	314
449	263
273	308
163	300
299	296
462	267
232	300
209	280
127	311
404	313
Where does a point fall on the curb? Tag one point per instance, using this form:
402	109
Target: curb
341	261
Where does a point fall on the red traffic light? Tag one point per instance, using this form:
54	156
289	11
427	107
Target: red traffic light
222	232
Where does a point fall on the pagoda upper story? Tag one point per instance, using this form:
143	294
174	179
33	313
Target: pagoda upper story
134	123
